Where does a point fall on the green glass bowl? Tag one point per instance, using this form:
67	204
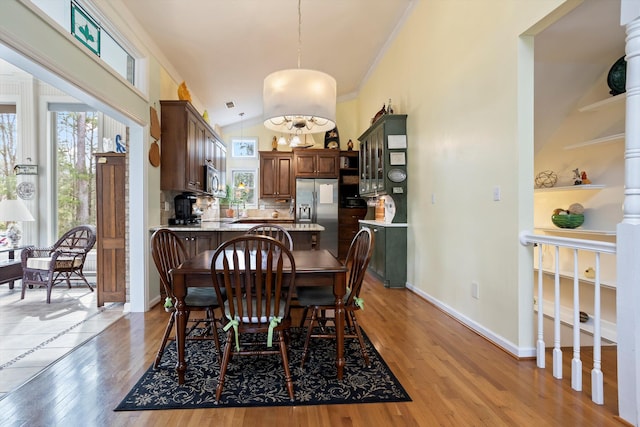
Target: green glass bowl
567	221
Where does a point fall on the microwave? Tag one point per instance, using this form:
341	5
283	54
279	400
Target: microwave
214	182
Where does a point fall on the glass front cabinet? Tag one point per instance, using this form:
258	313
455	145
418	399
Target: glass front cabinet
382	148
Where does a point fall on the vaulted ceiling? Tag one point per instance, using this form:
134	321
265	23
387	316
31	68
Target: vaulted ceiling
223	49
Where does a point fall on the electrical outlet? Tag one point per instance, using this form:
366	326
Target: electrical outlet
433	198
475	290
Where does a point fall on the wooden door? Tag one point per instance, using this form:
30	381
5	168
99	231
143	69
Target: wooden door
111	228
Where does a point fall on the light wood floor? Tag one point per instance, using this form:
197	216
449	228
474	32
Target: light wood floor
454	376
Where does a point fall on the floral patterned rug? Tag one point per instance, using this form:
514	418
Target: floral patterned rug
259	380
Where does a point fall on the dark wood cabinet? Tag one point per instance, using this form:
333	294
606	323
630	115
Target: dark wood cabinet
316	163
111	228
188	143
348	228
276	174
349	212
198	241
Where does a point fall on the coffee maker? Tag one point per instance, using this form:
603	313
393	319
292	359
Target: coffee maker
183	205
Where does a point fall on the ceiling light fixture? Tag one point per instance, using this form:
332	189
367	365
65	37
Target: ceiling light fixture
297	100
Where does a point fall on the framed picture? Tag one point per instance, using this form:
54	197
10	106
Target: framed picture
85	29
397	159
244	147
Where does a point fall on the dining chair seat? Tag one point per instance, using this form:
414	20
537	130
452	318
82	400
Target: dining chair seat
201	297
318	295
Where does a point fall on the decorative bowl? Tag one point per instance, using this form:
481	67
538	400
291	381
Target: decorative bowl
567	221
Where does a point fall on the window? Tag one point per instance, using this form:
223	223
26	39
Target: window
244	185
75	142
8	146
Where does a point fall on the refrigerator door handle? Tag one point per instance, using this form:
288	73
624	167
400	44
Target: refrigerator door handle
314	208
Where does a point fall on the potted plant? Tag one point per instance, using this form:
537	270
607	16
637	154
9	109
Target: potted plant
228	201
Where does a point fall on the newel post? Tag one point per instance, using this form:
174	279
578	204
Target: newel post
628	231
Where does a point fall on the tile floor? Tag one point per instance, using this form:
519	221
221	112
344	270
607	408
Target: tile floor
34	334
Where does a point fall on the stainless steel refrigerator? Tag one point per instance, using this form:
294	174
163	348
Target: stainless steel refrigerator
317	202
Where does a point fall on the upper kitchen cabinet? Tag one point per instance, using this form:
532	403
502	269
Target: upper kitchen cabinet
276	174
316	163
188	143
383	161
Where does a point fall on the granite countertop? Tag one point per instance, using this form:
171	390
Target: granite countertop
237	226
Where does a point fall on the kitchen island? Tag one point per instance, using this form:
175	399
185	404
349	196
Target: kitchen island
209	234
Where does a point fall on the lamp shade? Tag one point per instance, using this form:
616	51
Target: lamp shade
299	101
14	210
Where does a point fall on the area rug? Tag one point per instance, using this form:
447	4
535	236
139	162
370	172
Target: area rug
259	380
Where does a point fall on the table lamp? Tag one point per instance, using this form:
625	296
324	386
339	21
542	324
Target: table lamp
14	211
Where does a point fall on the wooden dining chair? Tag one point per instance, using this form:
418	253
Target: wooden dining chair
322	302
275	231
168	253
258	275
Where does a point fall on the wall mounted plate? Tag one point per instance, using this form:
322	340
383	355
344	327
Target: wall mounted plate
26	190
397	175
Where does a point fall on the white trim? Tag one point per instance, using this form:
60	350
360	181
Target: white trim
508	346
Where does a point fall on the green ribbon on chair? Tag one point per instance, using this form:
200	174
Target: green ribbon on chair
168	302
272	324
234	323
359	302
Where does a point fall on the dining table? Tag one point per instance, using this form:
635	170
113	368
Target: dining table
314	267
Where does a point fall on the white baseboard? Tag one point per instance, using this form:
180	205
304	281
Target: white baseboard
154	301
506	345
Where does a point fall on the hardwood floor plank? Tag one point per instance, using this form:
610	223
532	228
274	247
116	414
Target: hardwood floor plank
454	376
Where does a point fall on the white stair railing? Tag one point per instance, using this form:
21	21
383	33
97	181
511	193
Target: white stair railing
576	245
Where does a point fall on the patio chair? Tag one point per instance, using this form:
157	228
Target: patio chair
168	252
60	262
251	269
321	300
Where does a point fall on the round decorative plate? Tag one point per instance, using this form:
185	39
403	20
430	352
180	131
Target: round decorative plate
397	175
26	190
617	77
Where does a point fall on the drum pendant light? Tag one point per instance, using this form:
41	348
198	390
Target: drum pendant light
299	101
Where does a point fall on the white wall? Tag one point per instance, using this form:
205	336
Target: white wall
454	70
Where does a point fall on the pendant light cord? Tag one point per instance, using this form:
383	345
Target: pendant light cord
299	33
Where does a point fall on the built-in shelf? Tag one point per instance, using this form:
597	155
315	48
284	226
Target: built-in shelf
603	140
577	230
571	188
569	275
603	103
607	329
